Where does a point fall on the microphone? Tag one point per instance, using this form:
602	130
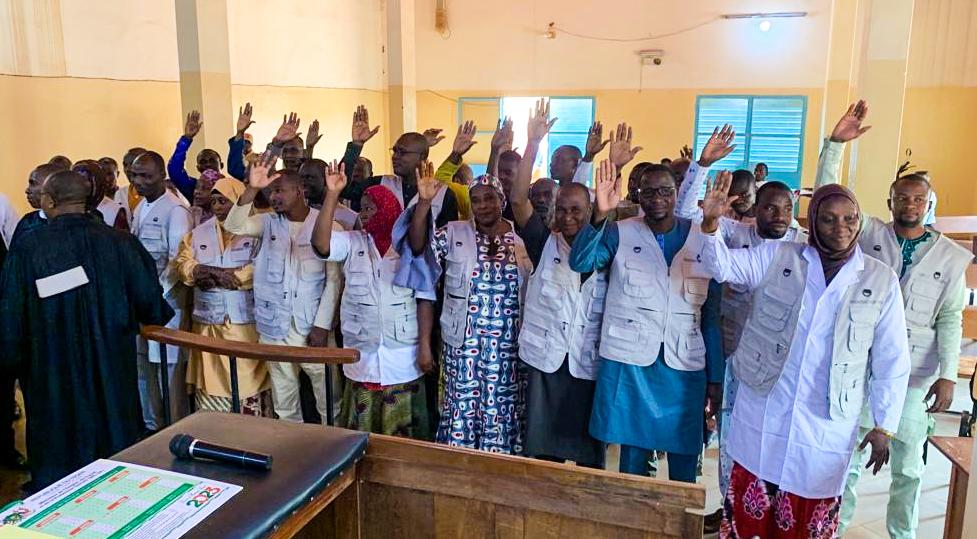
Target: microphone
184	446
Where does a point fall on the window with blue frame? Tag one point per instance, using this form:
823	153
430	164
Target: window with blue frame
576	114
769	129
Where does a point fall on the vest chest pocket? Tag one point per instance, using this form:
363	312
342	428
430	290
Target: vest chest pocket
772	312
922	300
313	270
454	277
862	318
152	238
358	286
240	255
206	253
696	290
638	281
274	266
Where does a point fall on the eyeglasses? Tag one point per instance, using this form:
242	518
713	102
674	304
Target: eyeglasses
401	151
648	193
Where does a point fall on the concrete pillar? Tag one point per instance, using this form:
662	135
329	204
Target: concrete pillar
401	68
881	81
205	71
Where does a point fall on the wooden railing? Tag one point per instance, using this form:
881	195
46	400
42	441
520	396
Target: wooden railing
247	350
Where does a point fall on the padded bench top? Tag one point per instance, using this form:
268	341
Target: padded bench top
306	459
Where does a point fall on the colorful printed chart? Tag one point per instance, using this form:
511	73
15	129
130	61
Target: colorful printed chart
110	499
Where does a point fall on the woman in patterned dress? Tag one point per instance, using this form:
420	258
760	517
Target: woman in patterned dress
485	268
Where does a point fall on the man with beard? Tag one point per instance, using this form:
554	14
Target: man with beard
294	304
562	317
931	271
660	347
159	222
410	150
542	196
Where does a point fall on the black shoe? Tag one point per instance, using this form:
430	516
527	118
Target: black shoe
712	521
13	460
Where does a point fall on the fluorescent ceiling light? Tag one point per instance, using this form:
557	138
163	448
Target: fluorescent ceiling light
766	15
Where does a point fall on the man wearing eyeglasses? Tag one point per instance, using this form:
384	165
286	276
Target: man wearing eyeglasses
661	347
407	154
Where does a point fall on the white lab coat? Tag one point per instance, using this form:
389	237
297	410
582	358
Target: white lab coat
787	437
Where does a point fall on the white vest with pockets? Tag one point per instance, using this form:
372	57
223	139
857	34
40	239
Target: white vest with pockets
769	333
652	304
459	265
924	290
562	316
286	291
152	229
219	305
737	299
371	306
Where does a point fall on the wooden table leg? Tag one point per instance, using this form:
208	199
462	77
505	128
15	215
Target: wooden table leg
955	503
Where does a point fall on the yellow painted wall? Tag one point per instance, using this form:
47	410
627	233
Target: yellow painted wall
91	118
663	120
938	125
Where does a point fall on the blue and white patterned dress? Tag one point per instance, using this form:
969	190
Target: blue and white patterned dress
484	391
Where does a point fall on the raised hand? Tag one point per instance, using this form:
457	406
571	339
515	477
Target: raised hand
361	131
193	124
719	145
313	136
335	177
539	121
502	139
433	137
849	127
244	119
608	188
717	201
427	185
595	141
621	152
288	130
261	175
685	152
465	138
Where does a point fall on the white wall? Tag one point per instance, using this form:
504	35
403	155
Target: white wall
498	44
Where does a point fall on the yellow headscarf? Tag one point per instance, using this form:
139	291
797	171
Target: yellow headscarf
229	187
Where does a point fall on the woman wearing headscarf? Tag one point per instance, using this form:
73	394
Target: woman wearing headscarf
486	267
201	211
219	265
385	393
803	367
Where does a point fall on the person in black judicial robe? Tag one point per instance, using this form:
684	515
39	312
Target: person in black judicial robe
75	348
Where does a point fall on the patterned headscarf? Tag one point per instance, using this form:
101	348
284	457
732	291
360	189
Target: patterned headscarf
381	225
490	180
831	260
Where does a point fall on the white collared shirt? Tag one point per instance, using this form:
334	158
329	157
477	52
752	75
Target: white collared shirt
787	437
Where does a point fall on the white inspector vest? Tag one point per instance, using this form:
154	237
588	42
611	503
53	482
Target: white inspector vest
219	305
765	345
283	290
396	185
924	290
562	316
737	300
652	304
152	228
459	265
372	307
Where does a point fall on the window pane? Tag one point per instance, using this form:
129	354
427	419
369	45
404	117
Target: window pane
715	111
777	116
781	154
576	114
576	139
477	170
734	160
